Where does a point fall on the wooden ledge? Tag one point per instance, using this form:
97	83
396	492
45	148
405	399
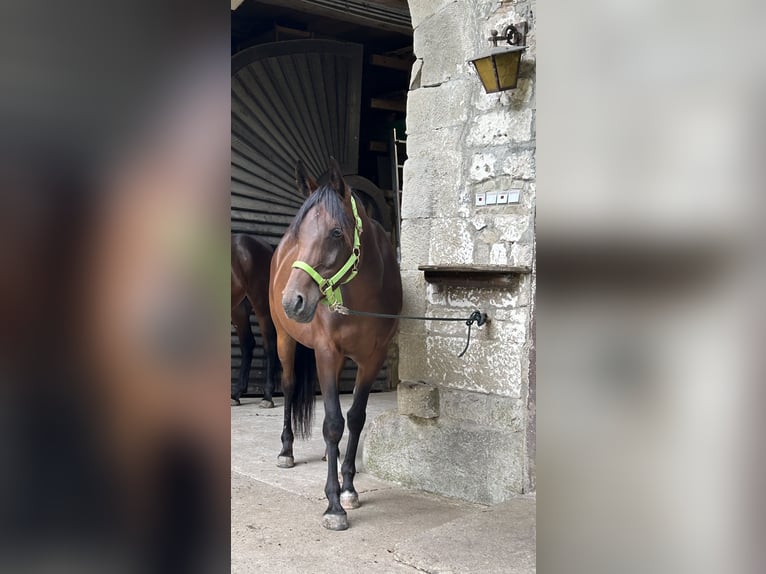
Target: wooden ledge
473	275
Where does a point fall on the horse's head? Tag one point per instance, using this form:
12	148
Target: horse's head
323	230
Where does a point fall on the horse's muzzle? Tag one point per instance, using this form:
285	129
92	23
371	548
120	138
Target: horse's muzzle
298	307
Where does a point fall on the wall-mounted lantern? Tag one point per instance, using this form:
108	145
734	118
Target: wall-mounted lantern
499	67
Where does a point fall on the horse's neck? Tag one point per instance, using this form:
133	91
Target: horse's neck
371	261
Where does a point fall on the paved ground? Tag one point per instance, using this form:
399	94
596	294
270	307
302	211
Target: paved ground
275	513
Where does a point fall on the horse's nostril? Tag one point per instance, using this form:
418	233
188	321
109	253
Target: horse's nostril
298	303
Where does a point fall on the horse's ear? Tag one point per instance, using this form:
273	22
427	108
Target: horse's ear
306	184
336	178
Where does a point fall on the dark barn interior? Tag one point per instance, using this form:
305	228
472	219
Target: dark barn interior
313	78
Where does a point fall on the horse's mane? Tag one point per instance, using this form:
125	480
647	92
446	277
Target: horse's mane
329	199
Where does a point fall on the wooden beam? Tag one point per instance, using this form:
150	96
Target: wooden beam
478	269
285	33
381	15
391	63
378	146
390	105
474	275
396	4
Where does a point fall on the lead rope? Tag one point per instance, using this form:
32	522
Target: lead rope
476	317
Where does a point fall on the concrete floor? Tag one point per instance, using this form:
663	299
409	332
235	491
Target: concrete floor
275	513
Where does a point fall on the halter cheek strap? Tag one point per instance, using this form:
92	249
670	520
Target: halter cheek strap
330	288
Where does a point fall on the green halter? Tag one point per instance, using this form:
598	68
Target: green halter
330	288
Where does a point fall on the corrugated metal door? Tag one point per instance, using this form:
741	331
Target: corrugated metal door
289	100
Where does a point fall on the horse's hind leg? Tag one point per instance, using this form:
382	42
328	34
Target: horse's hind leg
357	415
269	338
240	316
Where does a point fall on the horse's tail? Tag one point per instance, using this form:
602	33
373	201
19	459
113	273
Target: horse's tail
302	405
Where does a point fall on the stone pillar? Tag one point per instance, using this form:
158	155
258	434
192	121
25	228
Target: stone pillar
461	430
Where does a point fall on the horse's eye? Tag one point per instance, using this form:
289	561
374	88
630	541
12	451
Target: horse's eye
337	233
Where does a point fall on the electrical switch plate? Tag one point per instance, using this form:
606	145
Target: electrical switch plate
502	197
491	197
513	195
480	199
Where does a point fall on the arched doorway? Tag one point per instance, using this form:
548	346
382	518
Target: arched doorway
307	86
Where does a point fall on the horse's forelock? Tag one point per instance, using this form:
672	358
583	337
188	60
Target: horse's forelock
332	203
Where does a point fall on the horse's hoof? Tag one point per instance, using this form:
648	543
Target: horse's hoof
264	404
285	462
335	521
349	500
235	402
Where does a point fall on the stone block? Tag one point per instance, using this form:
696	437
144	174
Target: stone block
490	300
414	289
417	399
421	10
412	356
445	42
415	74
482	166
522	254
436	294
512	227
481	254
511	327
513	99
484	102
447	457
452	241
415	245
520	165
509	413
430	109
426	178
500	128
427	144
457	202
521	97
498	254
482	409
489	366
417	202
529	196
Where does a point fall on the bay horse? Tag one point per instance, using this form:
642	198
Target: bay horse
250	262
333	252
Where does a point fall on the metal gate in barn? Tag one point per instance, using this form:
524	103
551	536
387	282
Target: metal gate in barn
292	100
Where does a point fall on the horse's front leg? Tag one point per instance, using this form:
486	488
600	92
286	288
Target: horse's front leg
357	415
286	347
329	366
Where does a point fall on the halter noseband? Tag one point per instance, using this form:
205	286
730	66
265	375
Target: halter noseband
330	288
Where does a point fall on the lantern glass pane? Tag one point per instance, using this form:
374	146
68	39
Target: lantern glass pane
508	69
486	72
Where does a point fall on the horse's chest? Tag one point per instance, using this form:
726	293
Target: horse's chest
360	339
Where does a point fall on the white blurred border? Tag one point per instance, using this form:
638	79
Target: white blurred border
650	156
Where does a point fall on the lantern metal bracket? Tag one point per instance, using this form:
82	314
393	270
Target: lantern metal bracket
513	34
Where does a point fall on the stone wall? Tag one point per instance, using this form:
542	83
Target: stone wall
461	141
